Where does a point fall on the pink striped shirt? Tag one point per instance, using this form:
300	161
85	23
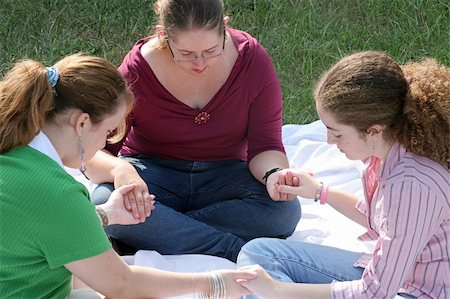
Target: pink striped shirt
409	217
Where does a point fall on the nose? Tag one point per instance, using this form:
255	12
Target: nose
199	62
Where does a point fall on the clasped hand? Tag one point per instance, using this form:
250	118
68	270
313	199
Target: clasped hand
286	184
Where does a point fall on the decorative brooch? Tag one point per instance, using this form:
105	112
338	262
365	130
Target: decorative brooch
202	118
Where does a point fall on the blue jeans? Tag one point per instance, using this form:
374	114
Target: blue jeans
301	262
203	207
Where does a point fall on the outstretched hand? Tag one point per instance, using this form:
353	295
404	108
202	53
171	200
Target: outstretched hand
116	210
263	285
233	281
299	183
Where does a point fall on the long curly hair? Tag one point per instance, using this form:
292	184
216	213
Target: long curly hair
411	101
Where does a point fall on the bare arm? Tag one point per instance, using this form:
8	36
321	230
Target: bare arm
306	186
112	277
108	274
104	167
345	203
265	161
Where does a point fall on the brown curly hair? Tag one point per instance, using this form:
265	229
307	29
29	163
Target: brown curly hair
368	88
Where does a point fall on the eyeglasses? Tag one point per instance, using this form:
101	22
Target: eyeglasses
204	56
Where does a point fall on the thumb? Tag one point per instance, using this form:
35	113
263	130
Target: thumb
125	189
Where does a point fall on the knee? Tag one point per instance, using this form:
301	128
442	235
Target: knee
253	252
292	211
102	193
285	218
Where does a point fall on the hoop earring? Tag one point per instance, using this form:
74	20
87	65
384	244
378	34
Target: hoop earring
82	166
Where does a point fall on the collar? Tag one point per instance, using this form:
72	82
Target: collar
43	144
393	158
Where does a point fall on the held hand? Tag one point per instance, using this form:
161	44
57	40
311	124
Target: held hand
115	209
233	280
304	184
263	285
282	177
139	202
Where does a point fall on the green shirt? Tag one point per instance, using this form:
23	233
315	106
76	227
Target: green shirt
46	221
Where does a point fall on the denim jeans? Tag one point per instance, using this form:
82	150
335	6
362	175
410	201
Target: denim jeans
203	207
301	262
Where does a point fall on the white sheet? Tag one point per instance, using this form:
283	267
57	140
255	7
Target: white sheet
306	149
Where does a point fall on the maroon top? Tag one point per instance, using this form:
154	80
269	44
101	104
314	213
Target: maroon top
242	120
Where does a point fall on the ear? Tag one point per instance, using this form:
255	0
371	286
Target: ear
80	121
161	32
226	19
375	130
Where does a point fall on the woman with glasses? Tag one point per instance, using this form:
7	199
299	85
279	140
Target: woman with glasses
204	137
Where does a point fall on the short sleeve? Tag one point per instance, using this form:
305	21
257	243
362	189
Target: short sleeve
71	229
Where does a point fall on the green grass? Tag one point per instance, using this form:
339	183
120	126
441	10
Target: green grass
303	37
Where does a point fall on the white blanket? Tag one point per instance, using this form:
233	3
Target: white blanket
306	149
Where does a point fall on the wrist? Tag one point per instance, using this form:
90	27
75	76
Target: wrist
201	283
103	216
121	168
212	285
269	172
321	193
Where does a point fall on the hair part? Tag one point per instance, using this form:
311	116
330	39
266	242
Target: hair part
368	88
183	15
27	101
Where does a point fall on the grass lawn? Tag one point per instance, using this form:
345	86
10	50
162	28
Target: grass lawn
303	37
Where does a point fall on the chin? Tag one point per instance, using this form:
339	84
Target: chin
353	158
73	165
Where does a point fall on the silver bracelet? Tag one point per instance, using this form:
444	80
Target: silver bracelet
319	190
217	287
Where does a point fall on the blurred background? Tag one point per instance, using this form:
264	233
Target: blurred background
303	37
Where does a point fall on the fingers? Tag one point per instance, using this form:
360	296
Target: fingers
287	189
140	204
245	274
130	204
282	180
149	204
125	189
137	201
253	268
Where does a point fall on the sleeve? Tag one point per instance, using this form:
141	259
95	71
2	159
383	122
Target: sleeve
265	115
408	213
71	229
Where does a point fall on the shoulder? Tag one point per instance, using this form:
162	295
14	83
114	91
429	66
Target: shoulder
134	59
423	174
248	46
43	175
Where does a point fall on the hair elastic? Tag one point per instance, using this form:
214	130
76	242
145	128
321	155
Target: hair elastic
52	75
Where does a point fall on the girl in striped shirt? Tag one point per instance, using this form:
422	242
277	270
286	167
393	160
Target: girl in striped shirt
396	119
